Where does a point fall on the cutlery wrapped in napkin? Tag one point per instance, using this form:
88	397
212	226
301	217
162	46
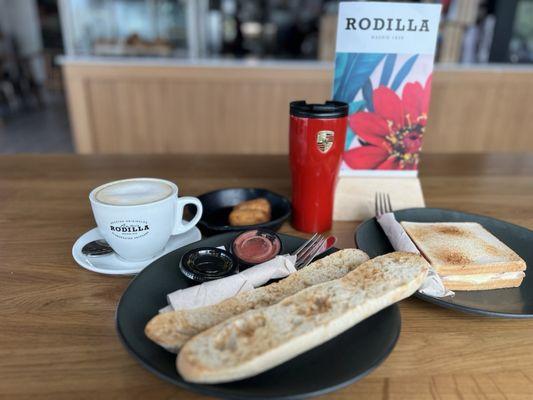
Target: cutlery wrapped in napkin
213	292
401	241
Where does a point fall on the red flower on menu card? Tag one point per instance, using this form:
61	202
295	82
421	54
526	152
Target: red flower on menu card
392	134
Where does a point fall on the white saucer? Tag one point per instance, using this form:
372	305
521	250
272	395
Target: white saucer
111	264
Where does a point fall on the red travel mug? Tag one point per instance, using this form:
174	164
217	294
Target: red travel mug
317	135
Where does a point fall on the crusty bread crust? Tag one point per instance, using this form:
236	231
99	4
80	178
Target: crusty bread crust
261	339
172	329
248	217
250	212
493	284
462	248
260	204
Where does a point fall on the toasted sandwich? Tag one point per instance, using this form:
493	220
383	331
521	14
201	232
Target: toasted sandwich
466	255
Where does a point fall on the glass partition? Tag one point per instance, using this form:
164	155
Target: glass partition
471	31
125	27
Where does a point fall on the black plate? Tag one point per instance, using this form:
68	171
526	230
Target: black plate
343	360
219	203
510	303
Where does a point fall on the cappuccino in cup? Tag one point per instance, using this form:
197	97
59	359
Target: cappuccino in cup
133	192
138	216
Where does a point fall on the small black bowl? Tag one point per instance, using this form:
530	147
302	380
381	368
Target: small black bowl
208	263
219	203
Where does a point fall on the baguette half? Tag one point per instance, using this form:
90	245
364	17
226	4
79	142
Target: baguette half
172	329
259	340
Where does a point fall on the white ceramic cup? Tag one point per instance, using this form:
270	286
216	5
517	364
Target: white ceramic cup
139	232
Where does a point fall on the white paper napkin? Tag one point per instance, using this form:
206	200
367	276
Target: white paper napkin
213	292
401	241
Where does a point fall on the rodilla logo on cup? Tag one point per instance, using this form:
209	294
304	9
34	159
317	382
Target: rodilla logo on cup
138	216
130	229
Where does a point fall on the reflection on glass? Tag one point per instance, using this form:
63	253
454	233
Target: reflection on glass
521	44
127	27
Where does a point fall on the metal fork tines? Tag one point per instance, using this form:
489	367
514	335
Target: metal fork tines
304	245
305	253
382	204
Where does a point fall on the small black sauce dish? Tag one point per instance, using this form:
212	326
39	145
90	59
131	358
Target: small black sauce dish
208	263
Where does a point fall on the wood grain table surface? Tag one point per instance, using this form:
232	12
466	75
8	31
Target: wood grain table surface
57	331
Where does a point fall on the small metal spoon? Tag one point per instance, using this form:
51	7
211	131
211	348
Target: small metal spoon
97	248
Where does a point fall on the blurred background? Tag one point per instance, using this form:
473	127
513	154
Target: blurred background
216	76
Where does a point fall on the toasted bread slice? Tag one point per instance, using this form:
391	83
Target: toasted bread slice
261	339
462	248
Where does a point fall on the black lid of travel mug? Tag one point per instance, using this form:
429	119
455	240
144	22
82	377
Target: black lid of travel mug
330	109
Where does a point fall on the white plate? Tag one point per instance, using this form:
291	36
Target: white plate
111	264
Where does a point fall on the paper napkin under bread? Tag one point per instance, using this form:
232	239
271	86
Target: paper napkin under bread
213	292
401	241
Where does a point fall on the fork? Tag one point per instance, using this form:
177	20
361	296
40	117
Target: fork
307	251
382	204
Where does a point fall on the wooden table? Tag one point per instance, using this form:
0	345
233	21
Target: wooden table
57	333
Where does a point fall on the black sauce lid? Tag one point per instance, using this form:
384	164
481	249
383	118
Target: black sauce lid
330	109
208	263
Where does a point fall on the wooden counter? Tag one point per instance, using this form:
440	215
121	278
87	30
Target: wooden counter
229	108
58	338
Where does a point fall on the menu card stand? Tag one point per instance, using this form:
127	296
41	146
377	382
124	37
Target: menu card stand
355	196
383	69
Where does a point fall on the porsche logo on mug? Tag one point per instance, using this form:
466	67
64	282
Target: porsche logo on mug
324	140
